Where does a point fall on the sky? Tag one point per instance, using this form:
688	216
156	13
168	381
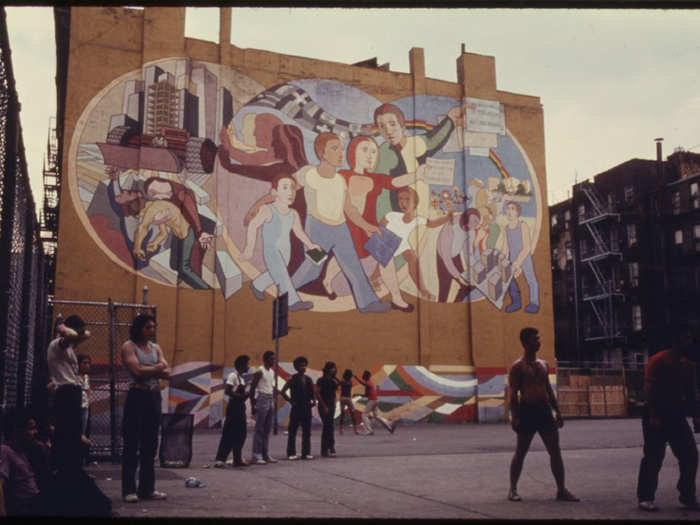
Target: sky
610	81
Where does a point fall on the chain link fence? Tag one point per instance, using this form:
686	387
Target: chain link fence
108	323
23	304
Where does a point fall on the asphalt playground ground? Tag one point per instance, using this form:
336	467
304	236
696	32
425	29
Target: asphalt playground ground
422	471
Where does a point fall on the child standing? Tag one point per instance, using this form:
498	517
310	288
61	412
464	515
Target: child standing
327	385
372	405
346	400
234	433
303	398
84	363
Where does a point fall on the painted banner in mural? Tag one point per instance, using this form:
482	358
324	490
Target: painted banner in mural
194	175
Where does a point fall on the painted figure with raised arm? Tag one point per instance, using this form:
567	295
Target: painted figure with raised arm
277	221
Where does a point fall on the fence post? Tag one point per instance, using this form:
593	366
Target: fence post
605	400
112	382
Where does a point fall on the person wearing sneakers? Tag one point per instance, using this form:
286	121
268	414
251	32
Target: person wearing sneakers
145	362
262	408
372	406
669	388
234	432
327	385
303	397
532	413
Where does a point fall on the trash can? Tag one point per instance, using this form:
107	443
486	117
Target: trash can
176	440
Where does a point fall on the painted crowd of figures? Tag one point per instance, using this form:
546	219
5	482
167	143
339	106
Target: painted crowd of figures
358	215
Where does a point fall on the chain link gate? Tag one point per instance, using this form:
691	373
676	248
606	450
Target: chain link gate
109	323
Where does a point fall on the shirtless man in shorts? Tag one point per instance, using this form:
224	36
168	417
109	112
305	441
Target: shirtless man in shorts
532	412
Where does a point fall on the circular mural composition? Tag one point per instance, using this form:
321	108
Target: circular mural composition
192	174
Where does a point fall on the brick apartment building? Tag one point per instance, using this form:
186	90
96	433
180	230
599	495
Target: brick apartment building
626	260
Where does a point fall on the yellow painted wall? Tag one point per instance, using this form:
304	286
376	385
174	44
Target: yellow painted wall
201	325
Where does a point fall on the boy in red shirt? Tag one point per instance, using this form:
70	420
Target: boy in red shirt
372	405
669	388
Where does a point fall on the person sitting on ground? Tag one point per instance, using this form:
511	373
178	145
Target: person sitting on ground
532	412
19	487
372	406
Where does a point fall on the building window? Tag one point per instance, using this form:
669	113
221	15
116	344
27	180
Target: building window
676	202
696	230
554	220
581	213
636	317
567	215
695	195
631	235
583	247
611	202
569	255
629	194
614	239
634	274
678	237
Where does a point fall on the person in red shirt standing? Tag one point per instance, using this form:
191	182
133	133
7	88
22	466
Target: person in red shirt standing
669	388
372	405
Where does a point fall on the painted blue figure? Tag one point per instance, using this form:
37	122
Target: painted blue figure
518	249
278	220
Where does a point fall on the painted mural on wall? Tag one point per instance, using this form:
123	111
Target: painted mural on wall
408	393
194	175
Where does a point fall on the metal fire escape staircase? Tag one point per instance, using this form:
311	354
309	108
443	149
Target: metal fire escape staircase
49	213
604	292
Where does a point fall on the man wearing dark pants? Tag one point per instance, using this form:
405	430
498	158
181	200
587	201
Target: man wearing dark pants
263	409
142	410
669	388
303	398
532	413
234	432
63	369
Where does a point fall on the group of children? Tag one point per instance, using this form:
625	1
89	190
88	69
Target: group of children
302	394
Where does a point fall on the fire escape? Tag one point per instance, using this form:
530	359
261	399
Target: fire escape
599	221
49	213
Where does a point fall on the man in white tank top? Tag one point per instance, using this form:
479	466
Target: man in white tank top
63	370
263	409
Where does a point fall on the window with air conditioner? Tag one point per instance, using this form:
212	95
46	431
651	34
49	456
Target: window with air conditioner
636	317
678	237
